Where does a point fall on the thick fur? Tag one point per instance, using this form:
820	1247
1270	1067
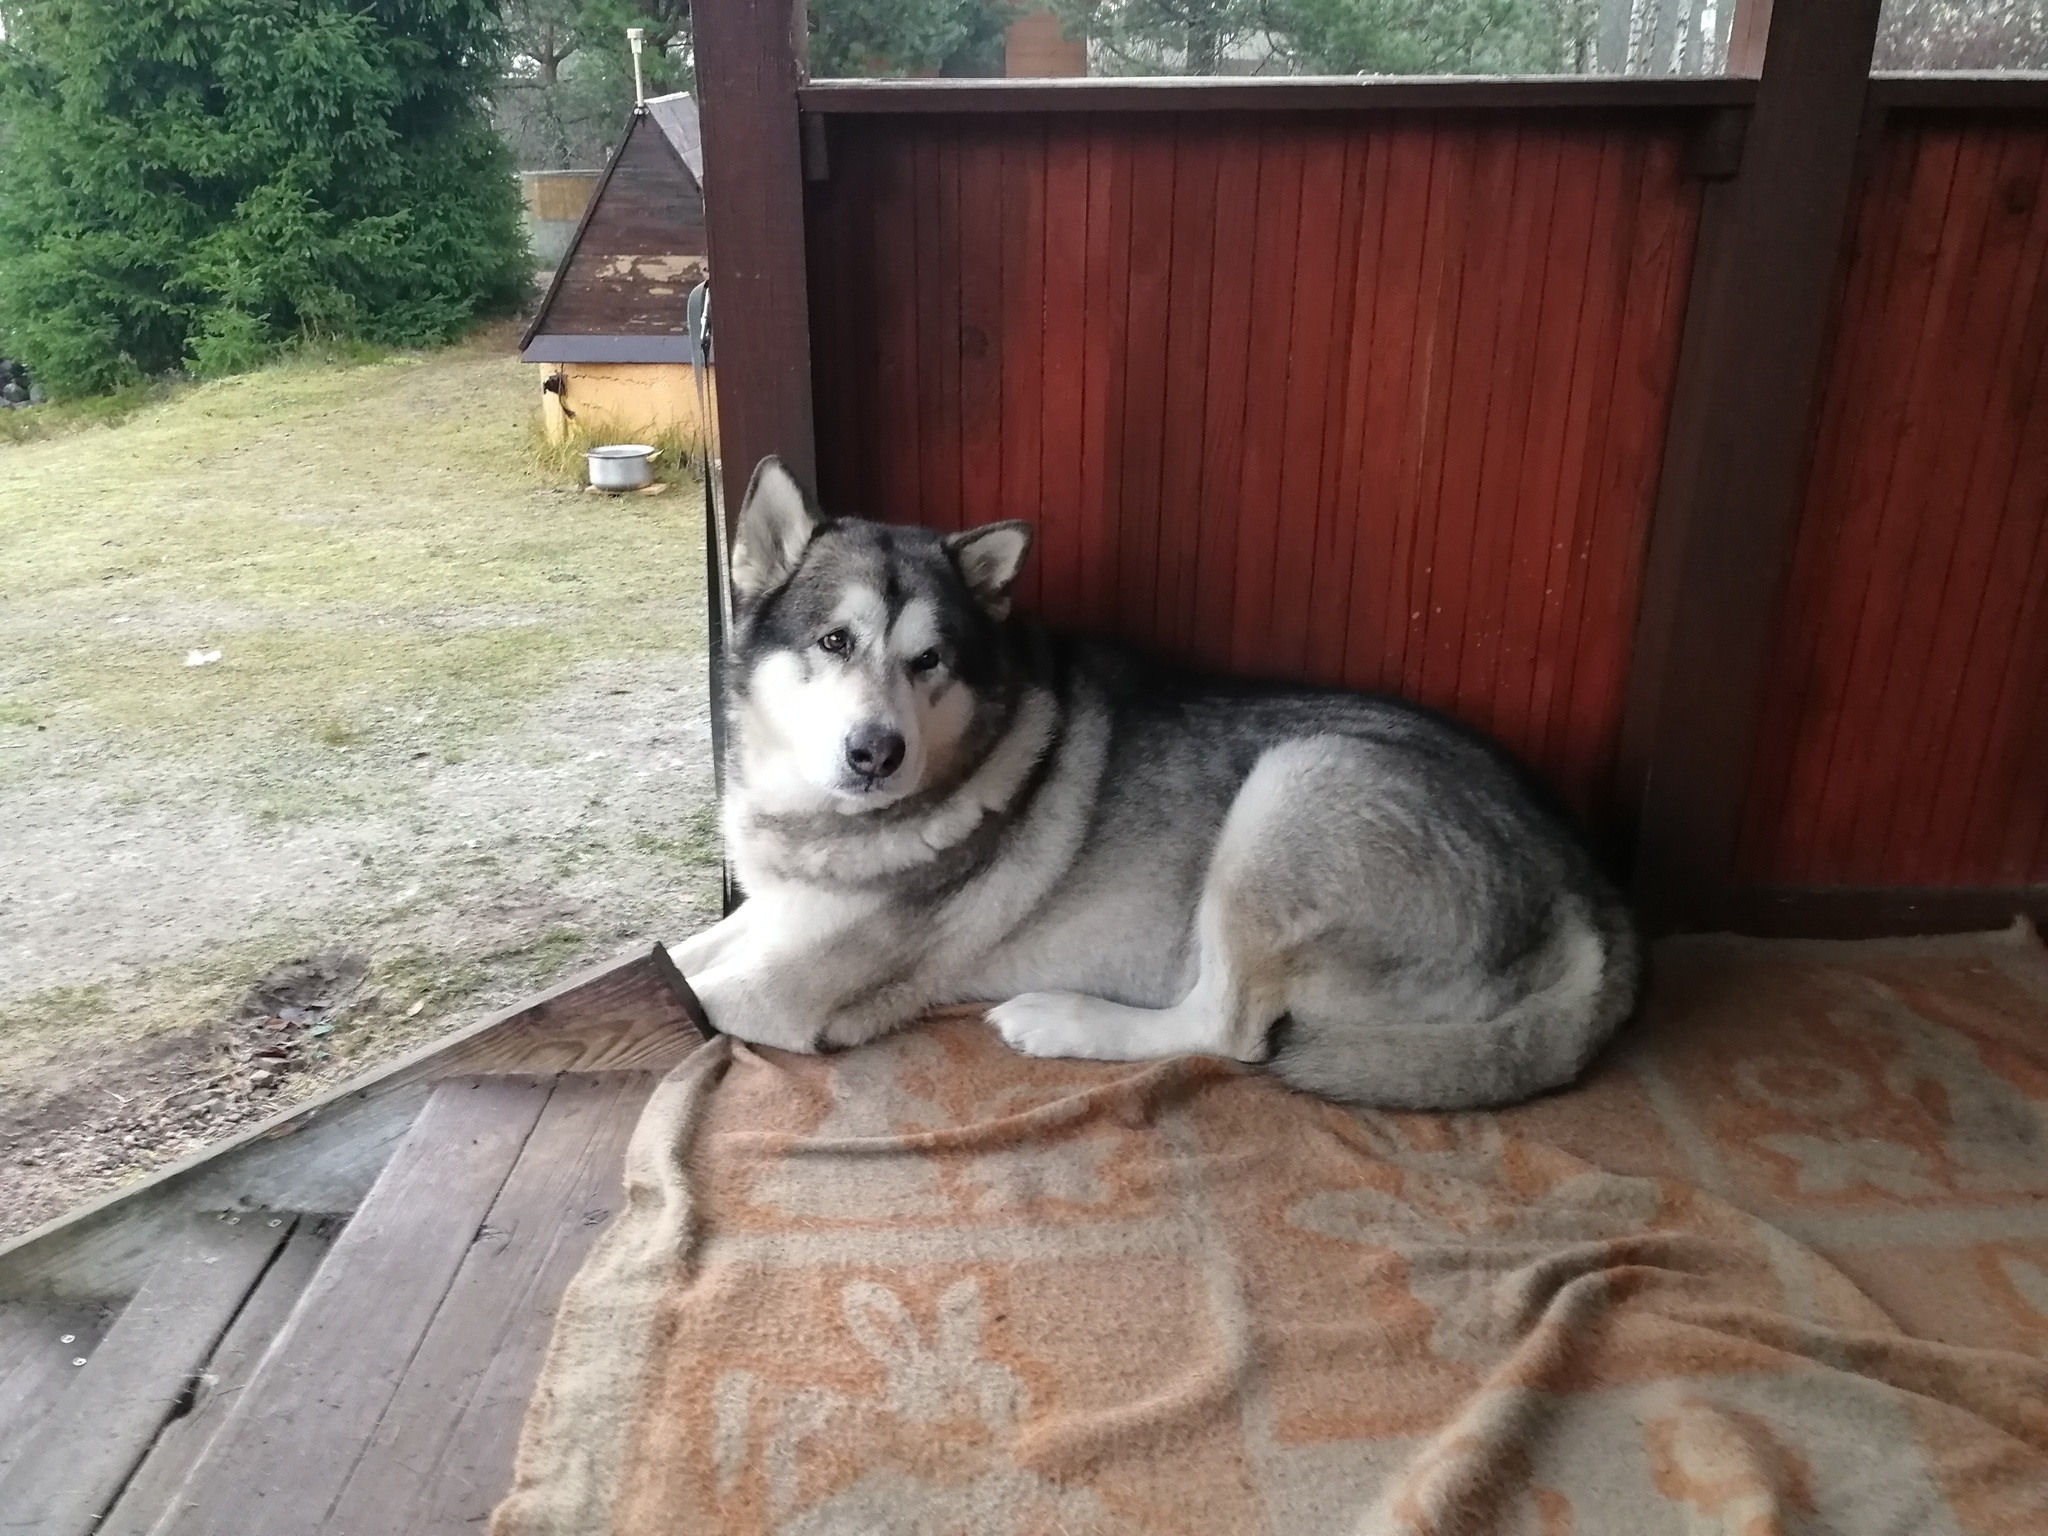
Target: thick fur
1371	899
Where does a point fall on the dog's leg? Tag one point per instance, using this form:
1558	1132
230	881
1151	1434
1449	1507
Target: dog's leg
1225	1013
804	971
706	948
1264	902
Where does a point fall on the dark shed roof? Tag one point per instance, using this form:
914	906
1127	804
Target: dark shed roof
619	293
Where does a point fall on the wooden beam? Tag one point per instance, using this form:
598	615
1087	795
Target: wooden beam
1736	451
1849	912
750	61
1961	93
1276	94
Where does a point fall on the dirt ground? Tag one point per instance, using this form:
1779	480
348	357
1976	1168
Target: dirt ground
331	716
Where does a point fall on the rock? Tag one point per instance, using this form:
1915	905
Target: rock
262	1077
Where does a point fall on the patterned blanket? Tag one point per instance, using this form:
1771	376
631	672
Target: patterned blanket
1779	1265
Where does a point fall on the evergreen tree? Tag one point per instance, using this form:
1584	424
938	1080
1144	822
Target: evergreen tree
194	182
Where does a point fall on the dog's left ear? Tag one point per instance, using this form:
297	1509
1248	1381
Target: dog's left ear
989	558
775	528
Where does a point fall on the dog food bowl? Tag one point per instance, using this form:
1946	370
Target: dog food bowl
622	466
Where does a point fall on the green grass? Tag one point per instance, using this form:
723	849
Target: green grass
409	601
357	538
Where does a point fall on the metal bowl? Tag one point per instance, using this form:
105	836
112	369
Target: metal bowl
622	466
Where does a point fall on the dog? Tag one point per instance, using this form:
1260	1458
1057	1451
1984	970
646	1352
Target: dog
930	801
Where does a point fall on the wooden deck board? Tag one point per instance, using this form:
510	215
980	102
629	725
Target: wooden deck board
224	1378
634	1014
442	1456
286	1450
38	1343
104	1422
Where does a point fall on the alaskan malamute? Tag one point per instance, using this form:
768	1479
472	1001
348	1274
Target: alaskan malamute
931	802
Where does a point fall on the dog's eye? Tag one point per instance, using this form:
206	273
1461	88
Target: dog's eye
837	643
923	662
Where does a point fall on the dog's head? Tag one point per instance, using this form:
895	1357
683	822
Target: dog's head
868	658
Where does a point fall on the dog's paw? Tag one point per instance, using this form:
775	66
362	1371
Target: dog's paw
1050	1024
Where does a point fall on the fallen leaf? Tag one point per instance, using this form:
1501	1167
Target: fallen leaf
416	1007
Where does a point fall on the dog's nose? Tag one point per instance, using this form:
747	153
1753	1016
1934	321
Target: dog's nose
874	752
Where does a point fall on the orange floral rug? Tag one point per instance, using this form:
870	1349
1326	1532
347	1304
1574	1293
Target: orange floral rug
1779	1265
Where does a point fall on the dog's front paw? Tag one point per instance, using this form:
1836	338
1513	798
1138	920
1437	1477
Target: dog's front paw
1049	1024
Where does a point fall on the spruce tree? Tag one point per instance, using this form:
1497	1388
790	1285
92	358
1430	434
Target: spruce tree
191	183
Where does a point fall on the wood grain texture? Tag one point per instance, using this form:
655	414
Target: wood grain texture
223	1378
97	1433
39	1345
639	251
441	1457
1741	419
1276	93
1905	729
749	62
635	1013
288	1446
1354	398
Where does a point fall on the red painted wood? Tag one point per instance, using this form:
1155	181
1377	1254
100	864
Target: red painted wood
1192	305
1136	509
1276	239
1018	343
1905	739
1364	399
1237	189
979	198
1063	395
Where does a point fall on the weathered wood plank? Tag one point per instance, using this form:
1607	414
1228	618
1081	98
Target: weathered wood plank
221	1381
39	1345
98	1433
632	1014
286	1449
441	1457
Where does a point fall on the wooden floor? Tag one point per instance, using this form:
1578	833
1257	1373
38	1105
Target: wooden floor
287	1372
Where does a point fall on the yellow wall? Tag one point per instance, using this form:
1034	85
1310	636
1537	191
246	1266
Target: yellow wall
624	402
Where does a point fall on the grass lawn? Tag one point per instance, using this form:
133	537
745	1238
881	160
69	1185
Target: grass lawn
323	658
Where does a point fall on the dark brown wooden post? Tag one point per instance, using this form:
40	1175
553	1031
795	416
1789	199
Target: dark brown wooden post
1736	453
750	62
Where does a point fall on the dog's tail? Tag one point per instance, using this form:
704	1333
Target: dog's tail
1533	1030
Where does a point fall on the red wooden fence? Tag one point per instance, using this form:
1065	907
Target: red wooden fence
1375	399
1905	729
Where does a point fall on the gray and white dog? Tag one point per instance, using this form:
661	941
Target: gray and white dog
930	802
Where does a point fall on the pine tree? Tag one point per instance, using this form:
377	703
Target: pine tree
195	182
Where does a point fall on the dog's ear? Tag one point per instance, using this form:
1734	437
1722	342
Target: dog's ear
989	558
776	524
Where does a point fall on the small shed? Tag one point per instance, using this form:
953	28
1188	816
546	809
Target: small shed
611	338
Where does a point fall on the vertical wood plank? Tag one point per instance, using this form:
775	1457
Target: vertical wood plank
1737	450
1193	316
1224	401
1136	511
1064	417
750	59
1297	506
1026	367
982	336
1276	240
